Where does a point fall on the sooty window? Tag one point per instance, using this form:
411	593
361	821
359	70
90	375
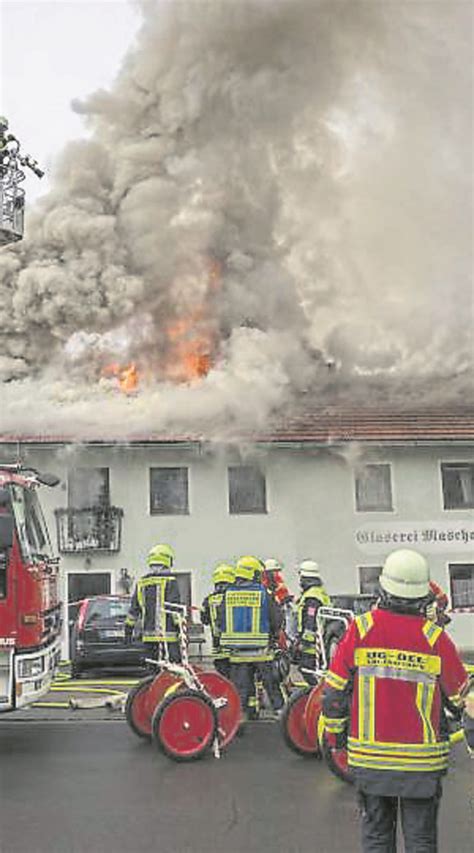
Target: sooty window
458	485
169	491
373	487
247	490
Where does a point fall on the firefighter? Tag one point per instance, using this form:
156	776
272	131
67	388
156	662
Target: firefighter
156	589
250	624
385	684
313	597
223	575
5	140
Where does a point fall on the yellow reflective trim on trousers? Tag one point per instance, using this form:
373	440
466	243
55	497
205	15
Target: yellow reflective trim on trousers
431	631
364	623
334	680
335	725
424	703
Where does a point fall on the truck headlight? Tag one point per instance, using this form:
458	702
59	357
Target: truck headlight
31	667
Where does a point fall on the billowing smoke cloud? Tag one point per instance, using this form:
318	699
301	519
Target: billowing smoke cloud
278	187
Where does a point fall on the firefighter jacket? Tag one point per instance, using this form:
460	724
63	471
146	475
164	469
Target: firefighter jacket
388	676
152	592
308	605
210	611
250	622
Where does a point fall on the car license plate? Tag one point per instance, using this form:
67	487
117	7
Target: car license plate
114	633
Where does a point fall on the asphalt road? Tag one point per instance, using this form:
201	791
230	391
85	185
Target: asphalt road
72	786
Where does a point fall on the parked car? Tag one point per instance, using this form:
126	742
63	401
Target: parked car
97	635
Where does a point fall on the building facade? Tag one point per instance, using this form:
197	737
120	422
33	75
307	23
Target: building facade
342	490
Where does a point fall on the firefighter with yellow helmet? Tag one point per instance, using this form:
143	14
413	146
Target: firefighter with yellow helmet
250	622
222	576
156	589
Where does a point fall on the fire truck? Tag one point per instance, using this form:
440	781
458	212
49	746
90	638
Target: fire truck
30	609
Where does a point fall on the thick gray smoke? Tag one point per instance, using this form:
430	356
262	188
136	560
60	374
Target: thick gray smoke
270	187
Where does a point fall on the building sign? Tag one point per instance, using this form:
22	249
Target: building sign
428	536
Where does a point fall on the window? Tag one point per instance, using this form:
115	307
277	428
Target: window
30	524
458	485
247	491
374	489
369	579
169	491
88	488
461	579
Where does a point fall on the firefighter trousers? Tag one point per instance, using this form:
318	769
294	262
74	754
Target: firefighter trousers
243	675
157	651
418	819
222	666
307	662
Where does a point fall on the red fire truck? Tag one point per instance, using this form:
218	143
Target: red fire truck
30	610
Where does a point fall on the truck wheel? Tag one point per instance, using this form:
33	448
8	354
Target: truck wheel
184	725
136	712
294	726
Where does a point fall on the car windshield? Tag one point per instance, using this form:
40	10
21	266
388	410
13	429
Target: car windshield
113	610
30	524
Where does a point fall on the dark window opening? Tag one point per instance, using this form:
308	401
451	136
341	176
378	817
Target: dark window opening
88	488
247	490
461	579
458	485
374	488
169	491
369	579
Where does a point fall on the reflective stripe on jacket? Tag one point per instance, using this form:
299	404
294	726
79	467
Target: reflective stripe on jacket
245	616
389	672
152	592
308	605
210	615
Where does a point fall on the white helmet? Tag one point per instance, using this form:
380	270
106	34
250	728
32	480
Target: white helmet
272	565
405	574
309	569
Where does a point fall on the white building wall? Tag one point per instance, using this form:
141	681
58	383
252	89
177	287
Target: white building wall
310	503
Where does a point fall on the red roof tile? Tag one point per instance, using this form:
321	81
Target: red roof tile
325	426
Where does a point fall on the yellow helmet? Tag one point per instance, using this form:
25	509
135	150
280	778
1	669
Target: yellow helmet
248	567
162	555
223	573
405	574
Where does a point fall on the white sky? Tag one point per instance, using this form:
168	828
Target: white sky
52	51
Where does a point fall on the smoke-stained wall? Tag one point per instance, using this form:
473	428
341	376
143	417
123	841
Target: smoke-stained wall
271	187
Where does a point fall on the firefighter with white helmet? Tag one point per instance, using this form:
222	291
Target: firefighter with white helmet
384	690
222	576
313	596
250	623
154	590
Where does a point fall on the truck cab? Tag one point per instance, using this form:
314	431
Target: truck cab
30	609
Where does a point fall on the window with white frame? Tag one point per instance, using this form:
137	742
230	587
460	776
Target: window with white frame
458	485
169	491
373	488
369	579
247	490
461	581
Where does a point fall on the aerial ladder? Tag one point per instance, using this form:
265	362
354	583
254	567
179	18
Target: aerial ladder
12	195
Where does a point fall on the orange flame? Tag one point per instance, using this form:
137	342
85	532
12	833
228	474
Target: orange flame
127	377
